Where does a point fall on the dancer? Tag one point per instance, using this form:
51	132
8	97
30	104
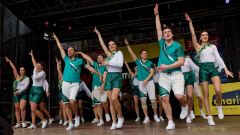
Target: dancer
208	57
145	72
37	92
170	60
71	80
20	86
135	90
114	64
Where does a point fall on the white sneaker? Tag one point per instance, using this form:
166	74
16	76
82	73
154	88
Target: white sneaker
65	123
60	122
189	119
120	122
70	126
100	123
24	124
17	125
192	115
32	126
114	126
146	120
170	125
202	114
137	119
82	120
220	112
184	112
210	121
77	121
107	117
44	124
50	121
156	118
95	121
161	118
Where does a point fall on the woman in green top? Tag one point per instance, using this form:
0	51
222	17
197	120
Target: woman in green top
20	86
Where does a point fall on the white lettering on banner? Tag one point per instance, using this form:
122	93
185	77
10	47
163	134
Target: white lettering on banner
126	76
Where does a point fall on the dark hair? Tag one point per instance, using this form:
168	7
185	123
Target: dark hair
201	34
167	27
73	48
143	51
43	64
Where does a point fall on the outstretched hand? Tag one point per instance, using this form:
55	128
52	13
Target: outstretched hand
228	73
7	60
31	53
126	41
54	36
96	30
156	10
187	17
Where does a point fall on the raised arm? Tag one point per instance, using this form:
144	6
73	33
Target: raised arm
33	59
63	54
15	73
158	23
194	38
59	69
130	50
92	70
86	57
129	70
105	49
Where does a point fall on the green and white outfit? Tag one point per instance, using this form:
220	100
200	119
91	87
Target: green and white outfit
37	92
155	80
170	79
143	71
83	87
134	84
20	86
209	58
188	68
61	97
71	77
97	98
114	69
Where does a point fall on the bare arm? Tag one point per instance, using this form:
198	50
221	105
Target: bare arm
129	70
86	57
102	42
92	70
15	73
194	38
59	69
158	23
150	75
130	50
63	54
33	59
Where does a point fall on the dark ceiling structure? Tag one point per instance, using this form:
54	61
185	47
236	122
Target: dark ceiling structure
75	19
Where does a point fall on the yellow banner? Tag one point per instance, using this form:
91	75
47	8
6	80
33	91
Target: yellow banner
230	99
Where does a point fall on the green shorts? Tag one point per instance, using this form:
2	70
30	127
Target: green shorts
36	94
22	96
157	88
113	80
80	95
207	71
44	98
193	77
135	90
188	78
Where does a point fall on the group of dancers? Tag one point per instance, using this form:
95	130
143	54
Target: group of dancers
174	71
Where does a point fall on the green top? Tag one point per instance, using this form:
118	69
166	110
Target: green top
72	69
96	79
169	54
143	69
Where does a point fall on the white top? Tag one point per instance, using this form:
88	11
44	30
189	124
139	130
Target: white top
156	77
46	86
116	63
38	78
84	87
135	81
23	85
210	54
189	65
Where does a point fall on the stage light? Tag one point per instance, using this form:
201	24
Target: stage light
69	27
54	24
46	23
227	1
164	25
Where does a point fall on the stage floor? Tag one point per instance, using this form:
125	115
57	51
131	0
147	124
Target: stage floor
229	126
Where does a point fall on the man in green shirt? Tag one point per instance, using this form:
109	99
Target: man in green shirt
171	59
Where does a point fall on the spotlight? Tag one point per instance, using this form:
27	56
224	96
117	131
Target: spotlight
227	1
69	27
54	24
46	23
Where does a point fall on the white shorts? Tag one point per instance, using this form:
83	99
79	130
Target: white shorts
70	90
171	81
196	90
148	89
97	97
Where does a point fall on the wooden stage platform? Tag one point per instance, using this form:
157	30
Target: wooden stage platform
229	126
